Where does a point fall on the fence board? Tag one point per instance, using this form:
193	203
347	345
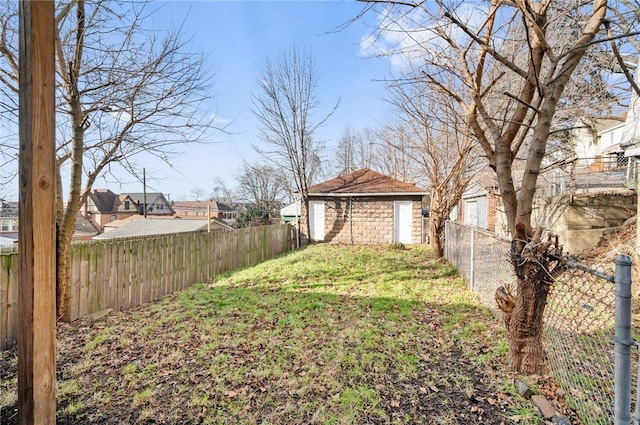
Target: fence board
93	284
4	298
121	274
8	299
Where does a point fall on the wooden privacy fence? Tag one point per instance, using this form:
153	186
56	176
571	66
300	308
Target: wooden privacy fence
124	273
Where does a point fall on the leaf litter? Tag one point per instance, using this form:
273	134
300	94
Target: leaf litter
295	340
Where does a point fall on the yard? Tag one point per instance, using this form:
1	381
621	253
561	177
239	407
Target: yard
327	334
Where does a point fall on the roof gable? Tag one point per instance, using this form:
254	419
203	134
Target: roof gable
103	199
366	182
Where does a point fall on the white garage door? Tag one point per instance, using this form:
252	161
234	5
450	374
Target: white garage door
316	220
402	221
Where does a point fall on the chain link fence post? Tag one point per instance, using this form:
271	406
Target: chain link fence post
622	341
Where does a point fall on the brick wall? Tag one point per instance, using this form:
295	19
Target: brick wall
364	220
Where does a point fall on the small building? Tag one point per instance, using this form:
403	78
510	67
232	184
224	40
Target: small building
162	226
199	210
479	205
290	213
364	207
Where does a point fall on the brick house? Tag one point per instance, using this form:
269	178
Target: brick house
103	206
364	207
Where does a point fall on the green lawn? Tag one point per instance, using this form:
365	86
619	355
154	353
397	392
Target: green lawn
326	334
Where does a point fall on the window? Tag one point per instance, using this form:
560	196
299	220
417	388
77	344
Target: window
5	225
114	217
126	205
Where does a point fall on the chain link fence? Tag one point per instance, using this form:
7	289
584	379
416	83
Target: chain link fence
588	175
579	319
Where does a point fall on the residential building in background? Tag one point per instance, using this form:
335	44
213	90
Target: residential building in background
103	206
200	209
157	204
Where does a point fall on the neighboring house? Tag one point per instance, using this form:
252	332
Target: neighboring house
7	242
162	226
83	229
117	223
198	210
610	140
290	213
364	207
157	204
479	204
579	219
9	220
103	206
597	144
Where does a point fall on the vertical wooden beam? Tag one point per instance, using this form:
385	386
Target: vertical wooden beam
37	248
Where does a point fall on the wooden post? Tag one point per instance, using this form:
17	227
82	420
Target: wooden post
37	248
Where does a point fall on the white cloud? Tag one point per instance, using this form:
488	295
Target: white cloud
405	37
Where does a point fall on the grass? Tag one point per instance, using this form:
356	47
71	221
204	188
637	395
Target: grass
326	334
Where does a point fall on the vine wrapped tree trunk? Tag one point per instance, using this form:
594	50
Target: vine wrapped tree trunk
536	264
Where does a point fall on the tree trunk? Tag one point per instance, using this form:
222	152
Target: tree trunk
536	264
63	275
435	233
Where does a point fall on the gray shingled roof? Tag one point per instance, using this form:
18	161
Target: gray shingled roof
104	199
154	226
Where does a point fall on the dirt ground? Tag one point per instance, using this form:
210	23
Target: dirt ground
404	398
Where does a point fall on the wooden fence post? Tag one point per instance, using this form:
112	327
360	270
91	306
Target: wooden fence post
37	247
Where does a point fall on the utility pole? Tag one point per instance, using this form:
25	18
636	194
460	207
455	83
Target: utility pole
144	192
37	239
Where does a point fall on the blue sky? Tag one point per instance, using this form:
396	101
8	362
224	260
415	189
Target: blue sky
238	36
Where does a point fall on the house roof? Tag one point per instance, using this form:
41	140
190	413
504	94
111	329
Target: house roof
202	205
154	226
152	198
84	227
9	209
365	182
104	199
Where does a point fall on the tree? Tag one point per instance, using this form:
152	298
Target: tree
506	66
440	146
123	89
221	192
197	193
284	106
263	186
253	216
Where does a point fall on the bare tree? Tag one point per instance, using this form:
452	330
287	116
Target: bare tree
394	153
506	65
263	186
123	89
285	107
197	193
439	145
221	192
